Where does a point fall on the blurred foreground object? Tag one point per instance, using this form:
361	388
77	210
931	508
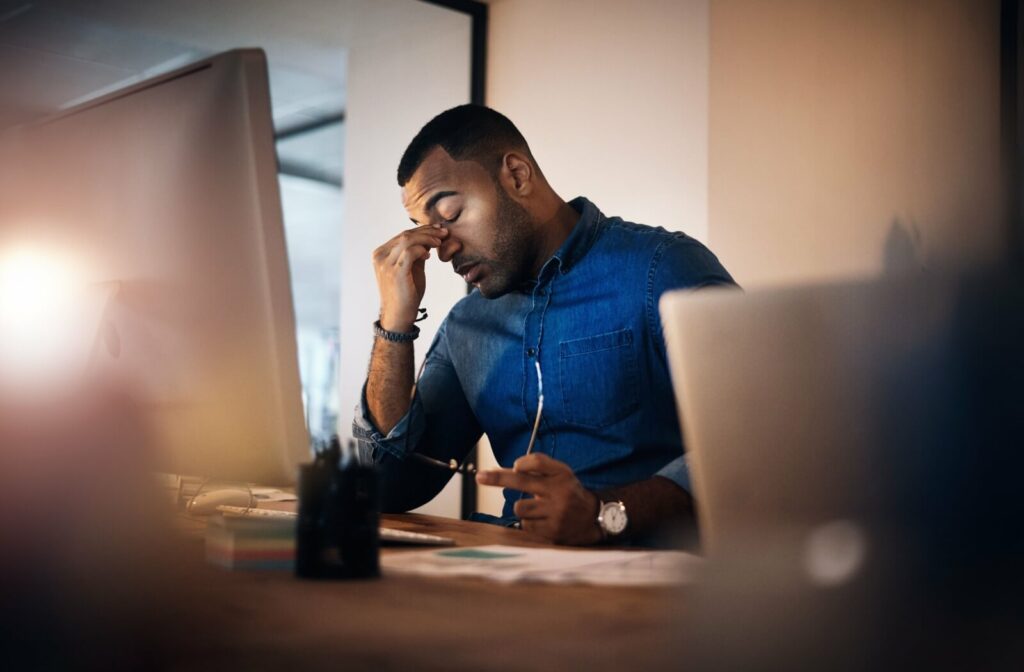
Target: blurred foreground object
857	455
89	577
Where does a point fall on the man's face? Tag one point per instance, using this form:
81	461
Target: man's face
491	240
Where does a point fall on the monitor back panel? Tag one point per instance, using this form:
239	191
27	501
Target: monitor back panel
169	190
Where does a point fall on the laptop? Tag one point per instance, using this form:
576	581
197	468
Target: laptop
798	404
855	458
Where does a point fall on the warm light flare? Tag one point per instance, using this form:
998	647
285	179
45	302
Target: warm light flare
45	328
32	283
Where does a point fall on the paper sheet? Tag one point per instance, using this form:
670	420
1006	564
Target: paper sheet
508	564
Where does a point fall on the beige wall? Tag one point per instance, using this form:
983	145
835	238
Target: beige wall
612	97
848	137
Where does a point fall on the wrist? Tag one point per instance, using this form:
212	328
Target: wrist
596	534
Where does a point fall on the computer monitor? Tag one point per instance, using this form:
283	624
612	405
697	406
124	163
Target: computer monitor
167	192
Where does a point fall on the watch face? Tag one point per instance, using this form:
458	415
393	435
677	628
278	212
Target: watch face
613	518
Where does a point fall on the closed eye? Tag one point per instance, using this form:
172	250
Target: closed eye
452	220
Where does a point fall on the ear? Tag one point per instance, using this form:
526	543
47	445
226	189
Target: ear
517	174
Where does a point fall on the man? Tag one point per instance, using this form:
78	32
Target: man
564	296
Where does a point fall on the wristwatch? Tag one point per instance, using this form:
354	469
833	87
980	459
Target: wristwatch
612	518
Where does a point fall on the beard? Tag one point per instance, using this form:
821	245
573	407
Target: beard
515	249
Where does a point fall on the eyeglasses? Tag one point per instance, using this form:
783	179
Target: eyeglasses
536	425
468	468
540	407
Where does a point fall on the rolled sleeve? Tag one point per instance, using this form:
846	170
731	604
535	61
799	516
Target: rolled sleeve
439	424
399	442
677	471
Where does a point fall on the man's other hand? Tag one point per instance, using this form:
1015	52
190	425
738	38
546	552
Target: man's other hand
561	509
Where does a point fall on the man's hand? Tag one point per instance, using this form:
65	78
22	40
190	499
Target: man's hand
561	509
398	265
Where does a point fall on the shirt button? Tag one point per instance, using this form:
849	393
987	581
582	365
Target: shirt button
542	292
531	352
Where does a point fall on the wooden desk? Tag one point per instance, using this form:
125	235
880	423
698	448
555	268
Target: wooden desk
271	619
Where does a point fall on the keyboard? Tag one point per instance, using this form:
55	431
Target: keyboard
387	534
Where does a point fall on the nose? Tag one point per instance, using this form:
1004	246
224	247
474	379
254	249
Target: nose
448	249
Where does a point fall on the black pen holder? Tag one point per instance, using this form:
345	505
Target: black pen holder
337	533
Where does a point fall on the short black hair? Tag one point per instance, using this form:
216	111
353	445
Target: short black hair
466	132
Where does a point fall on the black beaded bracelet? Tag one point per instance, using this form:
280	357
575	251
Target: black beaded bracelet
395	336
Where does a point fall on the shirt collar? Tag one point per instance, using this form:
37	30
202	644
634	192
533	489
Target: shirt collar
583	235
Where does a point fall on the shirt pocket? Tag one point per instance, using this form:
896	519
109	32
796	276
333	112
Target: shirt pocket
599	378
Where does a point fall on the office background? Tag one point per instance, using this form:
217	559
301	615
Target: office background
802	140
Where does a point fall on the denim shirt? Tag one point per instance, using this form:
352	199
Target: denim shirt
591	320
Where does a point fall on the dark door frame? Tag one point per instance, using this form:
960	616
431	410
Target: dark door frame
1010	124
